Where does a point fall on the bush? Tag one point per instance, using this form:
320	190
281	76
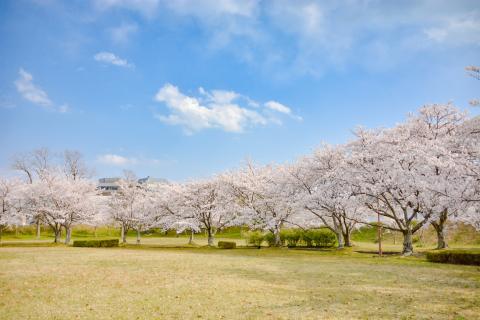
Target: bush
291	236
96	243
227	244
269	237
319	238
455	257
254	238
307	238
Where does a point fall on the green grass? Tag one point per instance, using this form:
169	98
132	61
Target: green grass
147	281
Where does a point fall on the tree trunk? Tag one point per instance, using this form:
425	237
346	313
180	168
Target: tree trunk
407	242
211	240
68	234
56	231
95	231
190	240
138	236
123	234
346	238
38	229
1	233
340	240
439	227
278	239
441	241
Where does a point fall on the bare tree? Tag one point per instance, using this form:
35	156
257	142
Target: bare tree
33	163
74	166
474	72
21	162
41	161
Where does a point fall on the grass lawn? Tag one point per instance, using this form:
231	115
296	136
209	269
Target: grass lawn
160	283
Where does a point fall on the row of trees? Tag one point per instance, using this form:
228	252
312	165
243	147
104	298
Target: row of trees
423	171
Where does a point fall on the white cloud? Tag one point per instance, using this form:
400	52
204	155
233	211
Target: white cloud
460	30
276	106
122	33
205	9
215	109
321	35
35	94
108	57
211	9
219	96
116	160
147	8
30	91
218	111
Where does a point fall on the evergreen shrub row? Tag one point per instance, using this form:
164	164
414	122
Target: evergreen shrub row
320	238
106	243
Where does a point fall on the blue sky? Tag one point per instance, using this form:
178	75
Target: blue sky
185	89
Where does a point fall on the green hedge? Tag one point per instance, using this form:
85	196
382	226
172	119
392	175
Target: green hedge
269	237
455	257
254	238
227	244
319	238
294	238
96	243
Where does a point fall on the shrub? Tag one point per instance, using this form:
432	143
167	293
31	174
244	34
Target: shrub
254	238
269	237
291	236
96	243
227	244
319	238
307	238
455	257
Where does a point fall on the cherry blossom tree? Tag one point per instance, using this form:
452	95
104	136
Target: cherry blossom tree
264	196
443	164
133	206
79	202
61	202
204	204
414	173
41	164
474	72
468	140
384	170
168	214
124	204
326	192
33	164
8	209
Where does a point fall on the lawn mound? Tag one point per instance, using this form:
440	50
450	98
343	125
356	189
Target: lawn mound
105	243
467	257
227	244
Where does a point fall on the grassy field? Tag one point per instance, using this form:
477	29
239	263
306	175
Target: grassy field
150	282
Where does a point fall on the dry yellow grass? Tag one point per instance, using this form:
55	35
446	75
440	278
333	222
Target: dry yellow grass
199	283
